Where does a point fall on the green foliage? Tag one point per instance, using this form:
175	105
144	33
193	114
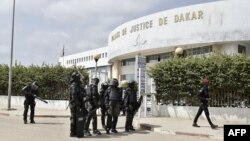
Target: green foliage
183	75
53	80
124	85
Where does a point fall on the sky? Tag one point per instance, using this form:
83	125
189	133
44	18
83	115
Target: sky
43	27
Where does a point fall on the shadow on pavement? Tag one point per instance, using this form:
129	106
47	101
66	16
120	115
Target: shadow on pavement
48	123
148	126
116	135
210	127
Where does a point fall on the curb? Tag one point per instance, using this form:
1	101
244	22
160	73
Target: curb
4	114
145	126
50	116
39	116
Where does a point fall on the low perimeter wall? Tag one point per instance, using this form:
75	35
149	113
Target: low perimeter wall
236	115
227	114
18	101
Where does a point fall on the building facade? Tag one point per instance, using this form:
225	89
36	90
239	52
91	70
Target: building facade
86	59
215	27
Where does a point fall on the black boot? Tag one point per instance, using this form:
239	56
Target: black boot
214	126
97	132
87	133
114	131
195	125
72	134
107	131
131	128
32	122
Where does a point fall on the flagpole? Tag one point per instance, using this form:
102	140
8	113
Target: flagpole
11	58
63	55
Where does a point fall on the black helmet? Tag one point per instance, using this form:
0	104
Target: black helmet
95	81
131	83
34	85
114	82
75	76
104	85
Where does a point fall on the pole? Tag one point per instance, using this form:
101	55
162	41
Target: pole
11	58
145	105
96	68
145	98
139	92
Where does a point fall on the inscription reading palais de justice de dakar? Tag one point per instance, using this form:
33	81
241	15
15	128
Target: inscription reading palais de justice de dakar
163	21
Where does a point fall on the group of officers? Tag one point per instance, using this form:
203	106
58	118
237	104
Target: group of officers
84	103
110	99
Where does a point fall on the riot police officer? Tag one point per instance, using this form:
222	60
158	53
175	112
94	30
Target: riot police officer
92	99
103	92
76	104
113	102
30	92
204	97
130	103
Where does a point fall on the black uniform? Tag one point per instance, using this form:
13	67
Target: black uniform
77	107
113	103
130	103
203	96
103	92
30	93
92	99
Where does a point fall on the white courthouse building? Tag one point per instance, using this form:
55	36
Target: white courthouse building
219	27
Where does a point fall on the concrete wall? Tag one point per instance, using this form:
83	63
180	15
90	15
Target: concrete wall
237	115
18	101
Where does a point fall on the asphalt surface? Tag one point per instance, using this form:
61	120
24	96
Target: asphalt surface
12	128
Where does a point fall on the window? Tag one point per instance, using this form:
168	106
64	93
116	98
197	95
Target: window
127	77
165	56
153	58
92	57
241	49
128	62
106	55
199	50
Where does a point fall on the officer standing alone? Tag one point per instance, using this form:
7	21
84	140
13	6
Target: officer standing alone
30	93
204	97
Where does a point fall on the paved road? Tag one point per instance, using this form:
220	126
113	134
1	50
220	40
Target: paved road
57	129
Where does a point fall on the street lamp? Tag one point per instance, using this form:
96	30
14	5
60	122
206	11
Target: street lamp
11	58
179	52
96	57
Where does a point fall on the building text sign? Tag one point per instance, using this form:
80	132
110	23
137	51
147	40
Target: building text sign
162	21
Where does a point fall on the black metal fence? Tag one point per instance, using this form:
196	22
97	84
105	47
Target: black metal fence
222	98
